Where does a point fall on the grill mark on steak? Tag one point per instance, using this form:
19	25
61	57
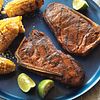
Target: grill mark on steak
82	40
59	28
60	22
77	25
78	28
86	31
86	35
44	58
72	33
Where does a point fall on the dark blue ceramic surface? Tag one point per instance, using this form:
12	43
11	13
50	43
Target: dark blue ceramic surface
91	64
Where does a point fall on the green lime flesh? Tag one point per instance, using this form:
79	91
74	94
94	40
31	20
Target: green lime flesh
25	82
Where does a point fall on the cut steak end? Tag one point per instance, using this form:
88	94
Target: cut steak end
39	54
76	33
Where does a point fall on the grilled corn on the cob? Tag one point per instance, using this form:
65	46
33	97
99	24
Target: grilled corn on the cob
6	66
9	29
1	4
21	7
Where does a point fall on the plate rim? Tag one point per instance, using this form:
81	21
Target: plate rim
88	86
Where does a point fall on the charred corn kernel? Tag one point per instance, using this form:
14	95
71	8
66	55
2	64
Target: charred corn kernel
21	7
6	66
9	29
1	4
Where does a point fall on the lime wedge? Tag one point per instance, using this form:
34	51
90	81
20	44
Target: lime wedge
25	82
44	87
80	4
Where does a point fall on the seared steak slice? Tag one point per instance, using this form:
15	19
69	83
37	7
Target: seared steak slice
76	33
38	54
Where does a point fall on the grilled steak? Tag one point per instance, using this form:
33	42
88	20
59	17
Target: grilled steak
76	33
38	54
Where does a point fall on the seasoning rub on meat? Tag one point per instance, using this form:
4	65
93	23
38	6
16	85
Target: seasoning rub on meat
76	33
36	52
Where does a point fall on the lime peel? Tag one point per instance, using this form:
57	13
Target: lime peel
25	82
80	4
44	87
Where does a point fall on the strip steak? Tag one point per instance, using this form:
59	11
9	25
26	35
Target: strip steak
76	33
39	54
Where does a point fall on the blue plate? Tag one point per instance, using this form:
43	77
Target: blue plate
91	64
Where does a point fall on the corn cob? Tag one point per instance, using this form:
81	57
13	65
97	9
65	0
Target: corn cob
6	66
9	29
1	4
21	7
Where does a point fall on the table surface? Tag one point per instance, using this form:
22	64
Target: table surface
94	93
97	2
